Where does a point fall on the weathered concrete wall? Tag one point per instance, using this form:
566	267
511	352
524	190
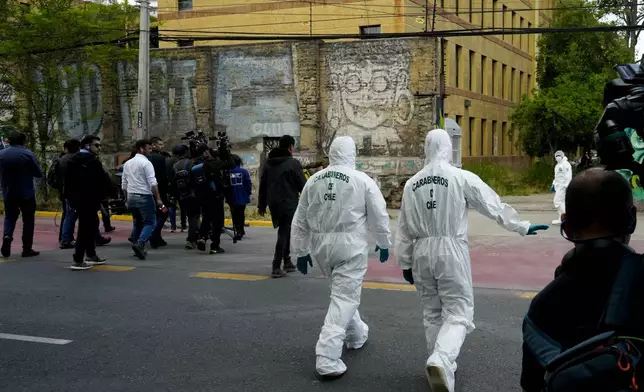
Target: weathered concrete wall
379	92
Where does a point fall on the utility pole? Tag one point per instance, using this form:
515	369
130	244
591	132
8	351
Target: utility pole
143	115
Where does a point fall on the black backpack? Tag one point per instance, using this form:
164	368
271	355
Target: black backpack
52	176
608	361
183	181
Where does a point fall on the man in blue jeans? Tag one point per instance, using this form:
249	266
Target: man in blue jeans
142	194
18	167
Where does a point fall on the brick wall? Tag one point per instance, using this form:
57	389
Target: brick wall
380	92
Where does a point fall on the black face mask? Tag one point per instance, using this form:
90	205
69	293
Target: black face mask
630	229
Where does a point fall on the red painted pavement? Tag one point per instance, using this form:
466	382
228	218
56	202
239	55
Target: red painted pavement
506	262
501	262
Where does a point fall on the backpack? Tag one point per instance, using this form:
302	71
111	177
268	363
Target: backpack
200	179
183	182
606	362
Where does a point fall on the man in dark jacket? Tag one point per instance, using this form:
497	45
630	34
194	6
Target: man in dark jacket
86	185
68	221
18	168
158	160
183	186
210	192
178	152
281	182
599	218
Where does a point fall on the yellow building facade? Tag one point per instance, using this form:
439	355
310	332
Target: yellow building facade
485	76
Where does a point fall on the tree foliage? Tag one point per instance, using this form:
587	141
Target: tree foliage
49	48
572	69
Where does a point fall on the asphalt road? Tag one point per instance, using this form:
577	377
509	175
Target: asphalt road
153	326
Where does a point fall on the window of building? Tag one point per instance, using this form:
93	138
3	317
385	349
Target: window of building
494	7
504	75
523	37
367	30
512	83
504	135
184	5
482	138
470	84
154	37
514	24
530	49
470	9
456	136
495	140
182	43
504	11
457	66
520	84
529	92
494	92
457	10
483	73
470	133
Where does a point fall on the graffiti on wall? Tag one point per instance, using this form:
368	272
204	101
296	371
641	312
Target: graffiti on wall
638	156
83	112
173	96
369	95
255	96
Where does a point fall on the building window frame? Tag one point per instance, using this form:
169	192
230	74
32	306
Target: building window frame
371	29
184	5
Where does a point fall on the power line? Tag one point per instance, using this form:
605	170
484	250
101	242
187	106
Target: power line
437	33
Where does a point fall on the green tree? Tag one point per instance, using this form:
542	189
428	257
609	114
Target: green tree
572	69
49	47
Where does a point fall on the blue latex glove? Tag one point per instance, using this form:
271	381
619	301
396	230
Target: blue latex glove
301	263
552	188
409	277
534	228
384	254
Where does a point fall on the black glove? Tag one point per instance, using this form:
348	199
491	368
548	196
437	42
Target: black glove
409	277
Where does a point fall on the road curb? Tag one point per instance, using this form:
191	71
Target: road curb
128	218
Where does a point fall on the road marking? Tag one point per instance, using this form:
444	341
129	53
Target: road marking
388	286
34	339
218	275
6	260
112	268
527	295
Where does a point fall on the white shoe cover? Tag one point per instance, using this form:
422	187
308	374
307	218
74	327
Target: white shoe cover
329	367
438	379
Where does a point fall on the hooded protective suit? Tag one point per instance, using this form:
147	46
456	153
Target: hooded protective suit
563	175
432	241
330	224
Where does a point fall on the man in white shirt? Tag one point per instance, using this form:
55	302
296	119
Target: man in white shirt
141	192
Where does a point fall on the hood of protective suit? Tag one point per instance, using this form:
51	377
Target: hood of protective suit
438	146
343	151
560	156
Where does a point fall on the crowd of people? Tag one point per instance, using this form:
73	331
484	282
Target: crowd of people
325	219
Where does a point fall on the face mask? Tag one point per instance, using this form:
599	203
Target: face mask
558	159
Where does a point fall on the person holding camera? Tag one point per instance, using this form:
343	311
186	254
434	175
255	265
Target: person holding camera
209	185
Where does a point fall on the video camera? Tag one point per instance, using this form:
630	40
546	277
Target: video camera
222	142
624	108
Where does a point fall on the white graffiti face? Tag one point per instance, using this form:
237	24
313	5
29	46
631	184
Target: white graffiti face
370	93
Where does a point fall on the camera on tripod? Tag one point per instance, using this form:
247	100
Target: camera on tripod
624	108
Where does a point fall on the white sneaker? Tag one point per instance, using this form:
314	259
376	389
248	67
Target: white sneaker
556	222
436	378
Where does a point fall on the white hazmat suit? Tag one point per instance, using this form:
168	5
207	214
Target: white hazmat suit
330	224
432	241
563	175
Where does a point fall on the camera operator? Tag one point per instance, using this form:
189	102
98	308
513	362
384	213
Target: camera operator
600	218
209	185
